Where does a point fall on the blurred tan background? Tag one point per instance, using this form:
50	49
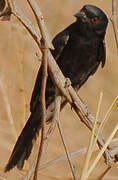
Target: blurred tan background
18	69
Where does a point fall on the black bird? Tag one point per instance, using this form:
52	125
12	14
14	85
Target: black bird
79	50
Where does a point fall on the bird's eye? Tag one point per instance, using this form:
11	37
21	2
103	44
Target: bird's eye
95	20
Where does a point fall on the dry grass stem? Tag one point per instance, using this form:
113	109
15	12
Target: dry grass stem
7	107
99	129
102	150
106	116
79	152
92	142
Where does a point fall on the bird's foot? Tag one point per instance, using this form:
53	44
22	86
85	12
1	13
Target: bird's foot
67	83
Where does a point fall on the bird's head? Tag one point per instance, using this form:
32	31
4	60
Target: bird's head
92	20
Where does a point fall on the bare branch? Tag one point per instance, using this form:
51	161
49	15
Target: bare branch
104	173
40	22
43	104
113	20
57	111
18	13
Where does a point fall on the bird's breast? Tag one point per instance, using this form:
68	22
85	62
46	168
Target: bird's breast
79	60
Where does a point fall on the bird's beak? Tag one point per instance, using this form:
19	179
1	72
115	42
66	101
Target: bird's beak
81	15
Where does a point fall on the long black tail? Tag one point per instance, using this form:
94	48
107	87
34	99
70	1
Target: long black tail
24	144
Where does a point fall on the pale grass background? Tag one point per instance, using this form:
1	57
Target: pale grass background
18	69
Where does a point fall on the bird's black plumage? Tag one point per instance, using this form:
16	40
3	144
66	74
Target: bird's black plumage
79	50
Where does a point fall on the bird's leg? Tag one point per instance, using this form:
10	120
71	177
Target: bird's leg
67	85
52	125
50	114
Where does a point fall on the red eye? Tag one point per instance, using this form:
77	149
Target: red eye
95	20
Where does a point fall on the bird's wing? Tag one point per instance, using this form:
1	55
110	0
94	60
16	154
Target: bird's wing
59	43
102	54
36	90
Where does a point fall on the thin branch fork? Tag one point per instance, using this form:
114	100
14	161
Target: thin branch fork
40	21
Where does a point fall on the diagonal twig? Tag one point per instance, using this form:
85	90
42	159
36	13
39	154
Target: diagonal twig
104	173
57	111
40	22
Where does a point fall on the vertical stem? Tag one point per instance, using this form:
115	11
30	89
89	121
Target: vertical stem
113	20
57	107
43	104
